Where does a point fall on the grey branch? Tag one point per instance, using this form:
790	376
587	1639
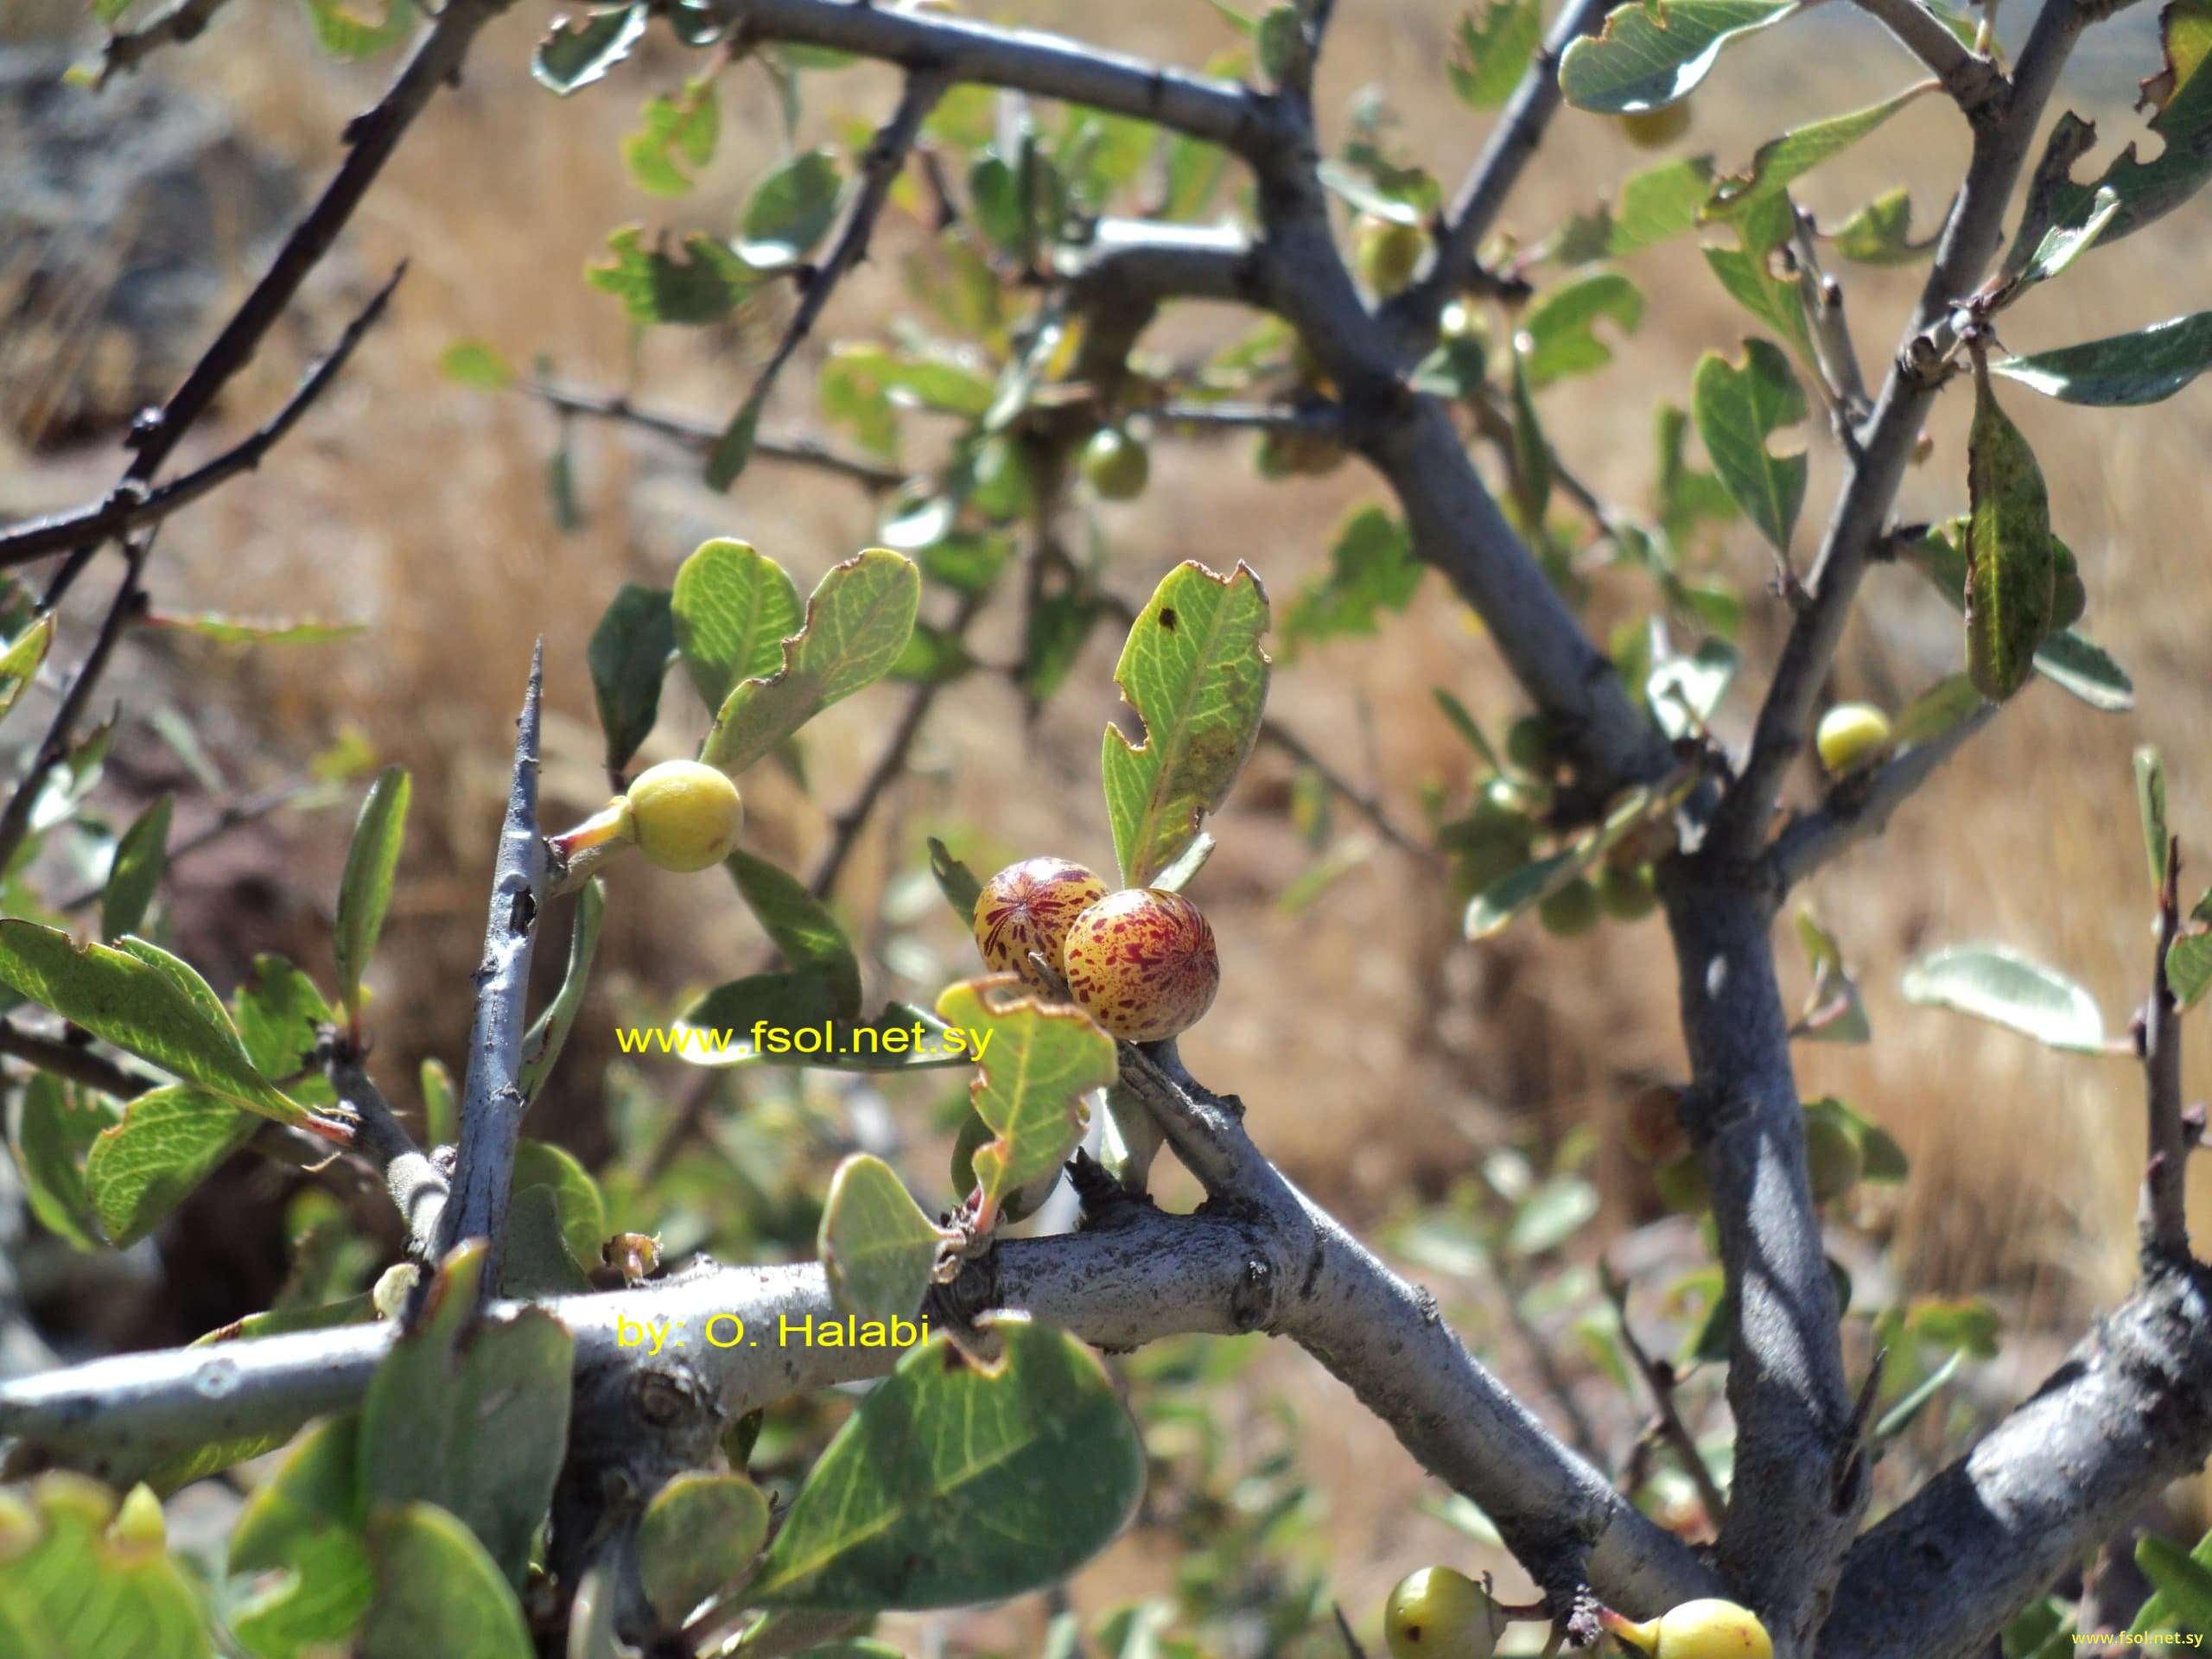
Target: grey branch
417	1186
492	1102
1858	808
1974	81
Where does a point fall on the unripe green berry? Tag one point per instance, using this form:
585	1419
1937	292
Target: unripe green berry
685	815
1626	893
1142	964
1851	736
1571	911
1529	745
1115	465
1031	906
1698	1629
1437	1613
1656	129
1386	252
1834	1159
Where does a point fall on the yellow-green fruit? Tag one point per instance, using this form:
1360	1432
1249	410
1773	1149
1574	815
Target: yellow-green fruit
1142	964
1852	735
1834	1159
1529	745
1651	1125
1698	1629
685	815
1115	465
1627	893
1386	252
1031	906
1655	128
1682	1184
1437	1613
1572	912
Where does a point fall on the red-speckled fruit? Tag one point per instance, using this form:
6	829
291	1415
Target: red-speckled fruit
1142	962
1030	906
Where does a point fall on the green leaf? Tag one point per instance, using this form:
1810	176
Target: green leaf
1782	162
1994	983
1645	58
1032	1463
1036	1064
19	665
1562	340
794	1007
1660	202
1522	889
572	55
341	32
1737	411
2010	570
476	364
305	1522
1834	1012
733	608
629	654
696	1539
1490	57
857	621
279	1012
1899	1417
51	1127
473	1415
441	1118
2150	805
1059	626
2160	1609
1372	569
437	1590
789	211
2065	658
135	875
74	1584
955	881
1179	875
679	133
932	657
2189	969
801	928
1463	722
2184	1583
1686	692
1532	451
1551	1215
1193	671
577	1203
703	283
2064	243
2122	370
1746	270
256	631
169	1142
733	450
1944	705
140	998
365	892
878	1249
549	1033
1880	234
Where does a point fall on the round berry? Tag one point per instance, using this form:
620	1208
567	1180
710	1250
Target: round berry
1627	893
1656	129
1571	911
1386	252
1142	964
1698	1629
1437	1613
685	815
1115	465
1030	906
1852	735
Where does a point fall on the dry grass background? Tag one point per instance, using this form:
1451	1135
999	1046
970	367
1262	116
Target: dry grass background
1375	1049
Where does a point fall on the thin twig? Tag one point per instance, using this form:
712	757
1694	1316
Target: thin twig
1545	1357
700	436
1823	298
180	24
53	748
236	817
2163	1220
491	1102
75	1064
1974	81
1366	803
1661	1382
417	1186
131	507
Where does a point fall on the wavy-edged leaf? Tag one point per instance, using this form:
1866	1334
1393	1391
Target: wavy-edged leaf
365	892
1561	324
169	1142
1372	569
2189	969
140	998
1645	58
2145	366
1994	983
1031	1462
1880	234
572	55
1659	202
1488	57
877	1247
1737	411
437	1590
1746	270
790	210
857	622
134	876
578	1204
1036	1064
77	1581
1193	671
2011	567
701	283
695	1538
342	32
733	608
1780	161
677	139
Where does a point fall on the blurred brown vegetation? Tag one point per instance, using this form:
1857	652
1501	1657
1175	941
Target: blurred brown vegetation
1378	1053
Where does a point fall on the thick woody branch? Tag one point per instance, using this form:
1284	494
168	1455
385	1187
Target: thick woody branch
417	1186
491	1100
2164	1219
1969	240
132	506
1976	84
1858	808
